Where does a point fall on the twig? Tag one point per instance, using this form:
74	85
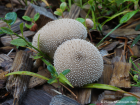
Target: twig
132	53
109	54
136	60
69	90
10	52
126	40
89	35
50	59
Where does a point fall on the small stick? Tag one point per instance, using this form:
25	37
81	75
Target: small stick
126	40
10	52
109	54
69	90
90	35
136	60
132	53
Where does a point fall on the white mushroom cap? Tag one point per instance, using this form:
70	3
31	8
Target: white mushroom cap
56	32
82	58
89	23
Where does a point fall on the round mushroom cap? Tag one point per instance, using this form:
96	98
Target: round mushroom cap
89	23
82	58
56	32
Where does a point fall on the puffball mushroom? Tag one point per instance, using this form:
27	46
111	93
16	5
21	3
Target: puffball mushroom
56	32
82	58
89	23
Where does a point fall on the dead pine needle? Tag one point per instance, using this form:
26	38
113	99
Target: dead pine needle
109	54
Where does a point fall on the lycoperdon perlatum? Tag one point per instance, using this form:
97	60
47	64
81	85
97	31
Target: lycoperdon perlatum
82	58
56	32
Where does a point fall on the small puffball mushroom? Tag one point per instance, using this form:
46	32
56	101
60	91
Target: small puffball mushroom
56	32
89	23
82	58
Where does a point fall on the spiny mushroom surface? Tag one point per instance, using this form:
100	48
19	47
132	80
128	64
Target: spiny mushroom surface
56	32
82	58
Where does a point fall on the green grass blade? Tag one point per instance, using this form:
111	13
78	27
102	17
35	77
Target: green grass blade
27	73
102	86
108	35
135	40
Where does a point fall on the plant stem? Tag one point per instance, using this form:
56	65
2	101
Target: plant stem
89	35
69	3
98	8
81	3
50	59
10	29
130	94
69	90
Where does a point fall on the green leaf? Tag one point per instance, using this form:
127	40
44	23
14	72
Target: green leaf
66	71
57	13
90	2
64	79
119	2
135	40
36	17
114	16
7	30
59	10
51	80
27	18
82	20
137	27
51	69
29	26
27	73
63	6
7	21
127	16
11	16
1	32
21	28
18	42
53	75
102	86
129	100
138	83
135	78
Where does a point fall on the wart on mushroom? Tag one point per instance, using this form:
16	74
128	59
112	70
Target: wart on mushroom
56	32
82	58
